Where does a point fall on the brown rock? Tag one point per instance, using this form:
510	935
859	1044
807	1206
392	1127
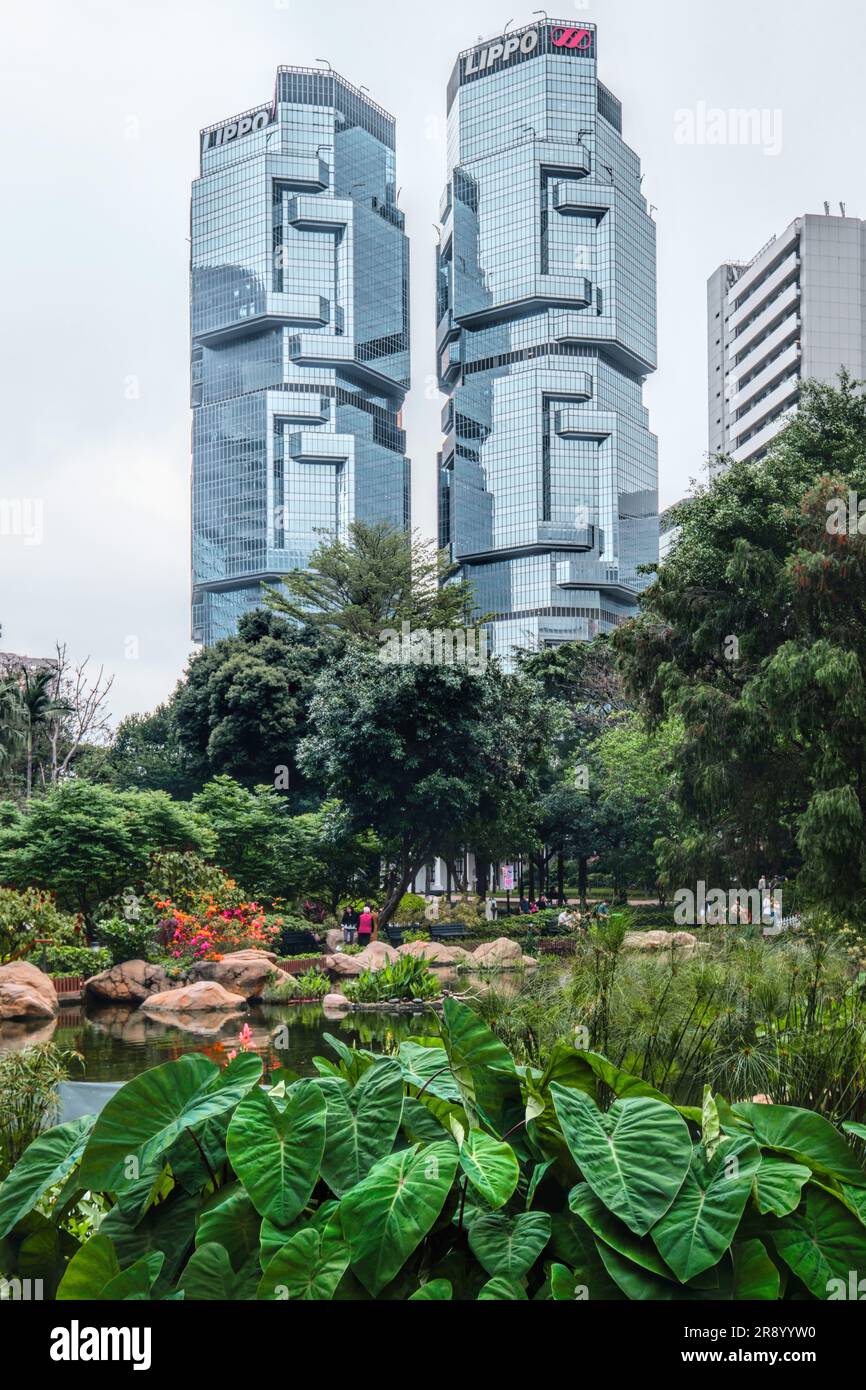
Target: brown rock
660	941
26	992
502	952
129	983
434	952
240	973
338	1003
201	996
373	957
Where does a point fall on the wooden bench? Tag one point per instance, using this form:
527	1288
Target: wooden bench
448	931
394	935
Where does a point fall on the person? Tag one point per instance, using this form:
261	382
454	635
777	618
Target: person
533	906
488	909
349	923
524	905
495	906
368	925
564	918
542	903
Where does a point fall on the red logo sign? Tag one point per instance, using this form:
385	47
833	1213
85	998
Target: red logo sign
574	38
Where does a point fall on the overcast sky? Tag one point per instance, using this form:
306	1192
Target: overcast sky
102	104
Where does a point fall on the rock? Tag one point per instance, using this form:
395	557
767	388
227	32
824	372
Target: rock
254	953
659	941
26	992
338	1002
333	939
434	952
239	973
129	983
203	995
529	960
502	952
373	957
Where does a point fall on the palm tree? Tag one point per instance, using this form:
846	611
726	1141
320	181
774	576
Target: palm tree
10	722
38	705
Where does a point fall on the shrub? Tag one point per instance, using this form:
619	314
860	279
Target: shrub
420	934
75	960
312	984
29	915
407	978
28	1087
189	881
127	940
214	931
573	1182
410	908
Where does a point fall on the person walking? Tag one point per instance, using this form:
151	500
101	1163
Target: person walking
368	925
349	923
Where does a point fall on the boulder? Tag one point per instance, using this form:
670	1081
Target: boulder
529	960
659	941
338	1003
502	953
434	952
129	983
240	972
26	992
203	995
333	938
373	957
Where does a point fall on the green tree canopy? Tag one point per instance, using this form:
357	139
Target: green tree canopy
753	636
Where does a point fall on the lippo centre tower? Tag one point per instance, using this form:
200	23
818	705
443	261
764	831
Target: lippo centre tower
546	314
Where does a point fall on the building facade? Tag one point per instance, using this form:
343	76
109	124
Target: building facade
796	310
546	314
299	335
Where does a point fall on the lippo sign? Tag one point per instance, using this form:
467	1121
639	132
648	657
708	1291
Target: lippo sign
233	130
504	49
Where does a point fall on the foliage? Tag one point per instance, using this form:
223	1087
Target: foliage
407	978
312	984
29	1079
75	960
214	931
753	636
440	1172
86	843
410	908
127	938
29	916
423	754
147	754
372	582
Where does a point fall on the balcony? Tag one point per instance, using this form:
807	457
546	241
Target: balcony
569	197
758	442
571	289
780	366
780	307
302	405
768	408
318	214
789	328
764	290
776	248
307	173
450	359
311	309
315	446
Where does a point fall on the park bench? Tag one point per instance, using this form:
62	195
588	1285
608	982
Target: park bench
394	935
447	931
296	943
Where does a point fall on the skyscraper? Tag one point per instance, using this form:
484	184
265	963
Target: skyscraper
546	312
797	309
300	338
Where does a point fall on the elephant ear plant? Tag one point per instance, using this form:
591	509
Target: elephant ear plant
442	1172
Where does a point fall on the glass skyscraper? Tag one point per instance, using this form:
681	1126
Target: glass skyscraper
300	338
546	312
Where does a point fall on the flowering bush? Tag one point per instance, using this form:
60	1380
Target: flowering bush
32	915
211	931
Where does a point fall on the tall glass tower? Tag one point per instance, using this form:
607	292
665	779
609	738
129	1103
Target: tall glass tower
546	311
300	338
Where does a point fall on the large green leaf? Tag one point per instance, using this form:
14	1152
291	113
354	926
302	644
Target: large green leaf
806	1136
502	1290
277	1151
778	1185
634	1157
428	1068
698	1227
309	1266
638	1284
92	1266
437	1290
823	1243
483	1069
168	1229
509	1245
361	1123
573	1243
490	1166
209	1276
146	1115
755	1275
137	1281
46	1161
230	1219
386	1216
584	1202
580	1070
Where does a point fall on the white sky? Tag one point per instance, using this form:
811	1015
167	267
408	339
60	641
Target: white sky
102	102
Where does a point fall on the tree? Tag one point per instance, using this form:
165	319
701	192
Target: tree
86	843
40	709
242	706
374	581
422	754
147	752
754	636
634	806
257	840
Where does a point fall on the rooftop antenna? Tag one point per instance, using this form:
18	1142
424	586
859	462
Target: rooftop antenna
842	209
826	209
